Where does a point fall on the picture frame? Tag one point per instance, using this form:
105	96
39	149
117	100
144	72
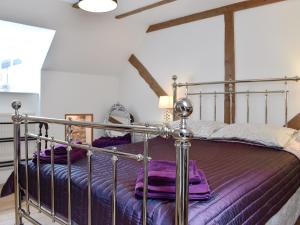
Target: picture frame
81	134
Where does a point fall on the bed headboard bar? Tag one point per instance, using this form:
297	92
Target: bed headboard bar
286	79
231	93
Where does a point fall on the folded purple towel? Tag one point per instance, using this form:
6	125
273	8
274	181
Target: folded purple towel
76	154
112	141
163	173
59	149
162	181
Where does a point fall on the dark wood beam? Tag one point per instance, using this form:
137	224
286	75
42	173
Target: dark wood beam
294	123
229	66
211	13
145	74
144	8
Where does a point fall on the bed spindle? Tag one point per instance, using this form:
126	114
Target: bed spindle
174	85
215	106
52	144
286	92
145	191
69	174
89	156
26	166
266	106
17	119
231	103
38	176
248	106
114	160
200	107
186	90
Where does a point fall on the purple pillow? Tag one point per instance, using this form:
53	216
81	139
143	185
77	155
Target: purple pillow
103	142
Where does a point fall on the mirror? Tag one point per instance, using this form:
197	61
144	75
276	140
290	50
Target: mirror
118	114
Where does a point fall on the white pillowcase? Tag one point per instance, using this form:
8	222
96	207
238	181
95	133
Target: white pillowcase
262	134
200	128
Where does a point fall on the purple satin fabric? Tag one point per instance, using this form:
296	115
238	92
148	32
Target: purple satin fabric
59	149
103	142
75	155
162	181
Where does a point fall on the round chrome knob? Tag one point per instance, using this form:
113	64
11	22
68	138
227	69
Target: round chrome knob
183	107
16	105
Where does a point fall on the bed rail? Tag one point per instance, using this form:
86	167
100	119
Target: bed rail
231	94
182	136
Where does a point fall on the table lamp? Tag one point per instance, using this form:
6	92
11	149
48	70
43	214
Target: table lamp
166	102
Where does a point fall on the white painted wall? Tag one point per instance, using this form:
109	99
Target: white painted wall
30	103
267	45
193	51
63	93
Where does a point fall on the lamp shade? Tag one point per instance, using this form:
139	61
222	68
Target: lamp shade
165	102
98	5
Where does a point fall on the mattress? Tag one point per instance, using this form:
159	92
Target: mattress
249	184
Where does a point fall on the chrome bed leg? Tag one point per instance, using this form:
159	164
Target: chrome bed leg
17	119
183	108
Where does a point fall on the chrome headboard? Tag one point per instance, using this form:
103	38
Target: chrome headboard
231	93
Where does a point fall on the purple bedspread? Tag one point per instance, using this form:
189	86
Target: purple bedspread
249	184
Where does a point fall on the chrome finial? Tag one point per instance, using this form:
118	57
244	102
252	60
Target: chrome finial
16	105
183	108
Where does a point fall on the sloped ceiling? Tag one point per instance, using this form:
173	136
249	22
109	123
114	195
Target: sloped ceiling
95	43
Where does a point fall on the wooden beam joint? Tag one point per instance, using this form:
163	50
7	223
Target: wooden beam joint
211	13
145	74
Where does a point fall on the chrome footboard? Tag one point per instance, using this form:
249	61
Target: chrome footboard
182	135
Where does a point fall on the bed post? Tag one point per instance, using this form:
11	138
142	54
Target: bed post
174	85
183	109
17	119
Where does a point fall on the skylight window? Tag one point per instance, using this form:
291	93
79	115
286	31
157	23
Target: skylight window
23	50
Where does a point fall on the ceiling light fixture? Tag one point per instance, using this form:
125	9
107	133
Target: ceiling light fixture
98	5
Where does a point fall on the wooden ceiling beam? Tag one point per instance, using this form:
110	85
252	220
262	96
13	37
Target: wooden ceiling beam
144	8
229	108
294	122
211	13
146	75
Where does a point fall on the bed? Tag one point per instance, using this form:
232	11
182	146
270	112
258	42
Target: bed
250	183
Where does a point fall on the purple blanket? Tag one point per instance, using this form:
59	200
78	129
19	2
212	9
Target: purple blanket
249	184
60	155
162	181
103	142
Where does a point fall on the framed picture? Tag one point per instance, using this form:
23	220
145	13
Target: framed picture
82	134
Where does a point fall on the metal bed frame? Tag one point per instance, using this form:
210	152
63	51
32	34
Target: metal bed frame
10	163
232	94
182	136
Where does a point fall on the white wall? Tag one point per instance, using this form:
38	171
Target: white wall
267	45
30	103
63	93
193	51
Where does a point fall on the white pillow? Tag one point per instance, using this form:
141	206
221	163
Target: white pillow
262	134
200	128
294	146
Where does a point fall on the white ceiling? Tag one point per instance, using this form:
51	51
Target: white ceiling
95	43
